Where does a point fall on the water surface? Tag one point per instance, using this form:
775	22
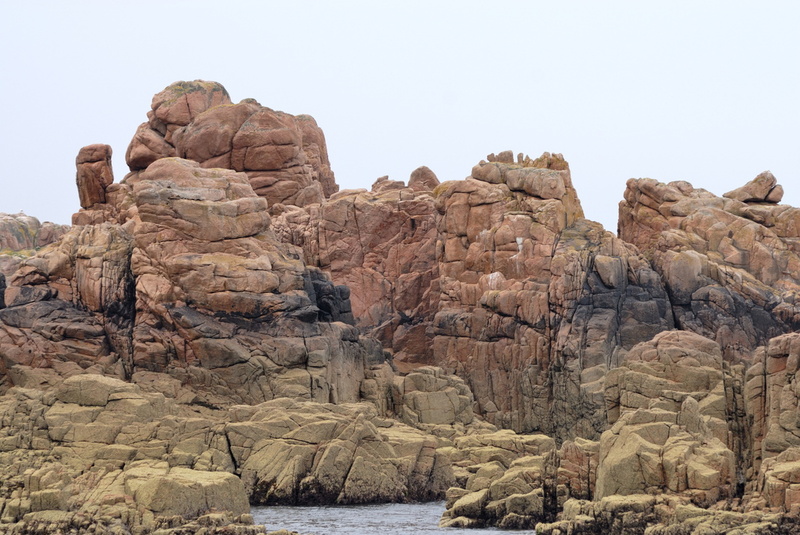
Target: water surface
385	519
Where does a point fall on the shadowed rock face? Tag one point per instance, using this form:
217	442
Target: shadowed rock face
730	264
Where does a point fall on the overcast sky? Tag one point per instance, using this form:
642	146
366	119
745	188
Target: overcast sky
707	92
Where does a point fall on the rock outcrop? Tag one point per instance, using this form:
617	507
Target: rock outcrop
536	302
94	174
285	157
191	283
382	245
21	236
103	451
223	327
730	264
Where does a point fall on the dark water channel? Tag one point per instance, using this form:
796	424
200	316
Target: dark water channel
385	519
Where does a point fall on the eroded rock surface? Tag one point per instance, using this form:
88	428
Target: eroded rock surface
284	156
382	245
223	327
730	264
21	235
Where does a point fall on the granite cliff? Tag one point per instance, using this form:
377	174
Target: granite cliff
223	327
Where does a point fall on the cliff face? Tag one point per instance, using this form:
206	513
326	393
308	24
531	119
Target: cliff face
218	309
730	264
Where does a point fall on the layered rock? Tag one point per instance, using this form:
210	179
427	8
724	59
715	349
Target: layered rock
772	407
94	449
676	423
200	334
193	283
504	479
304	453
730	264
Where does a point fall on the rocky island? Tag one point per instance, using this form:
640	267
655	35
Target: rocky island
223	327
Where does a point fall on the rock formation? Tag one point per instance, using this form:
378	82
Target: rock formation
382	245
224	327
21	235
730	264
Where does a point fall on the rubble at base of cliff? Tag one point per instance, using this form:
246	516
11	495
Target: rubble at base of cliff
224	328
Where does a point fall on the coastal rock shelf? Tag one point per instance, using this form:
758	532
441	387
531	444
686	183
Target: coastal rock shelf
224	327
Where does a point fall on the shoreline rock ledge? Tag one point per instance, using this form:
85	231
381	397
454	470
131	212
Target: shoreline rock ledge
223	327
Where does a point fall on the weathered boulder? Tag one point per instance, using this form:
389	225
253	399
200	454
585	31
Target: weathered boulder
94	174
763	188
304	453
184	492
285	157
504	479
429	397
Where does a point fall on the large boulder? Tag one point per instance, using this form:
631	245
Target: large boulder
304	453
94	174
284	156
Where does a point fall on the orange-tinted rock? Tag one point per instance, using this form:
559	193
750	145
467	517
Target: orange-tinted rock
94	174
536	302
192	283
285	157
381	244
423	179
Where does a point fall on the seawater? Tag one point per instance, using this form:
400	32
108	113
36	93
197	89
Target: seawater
384	519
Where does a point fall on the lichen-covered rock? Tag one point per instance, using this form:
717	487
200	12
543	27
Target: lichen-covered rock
94	174
20	236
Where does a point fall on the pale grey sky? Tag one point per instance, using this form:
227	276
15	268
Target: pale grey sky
707	92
